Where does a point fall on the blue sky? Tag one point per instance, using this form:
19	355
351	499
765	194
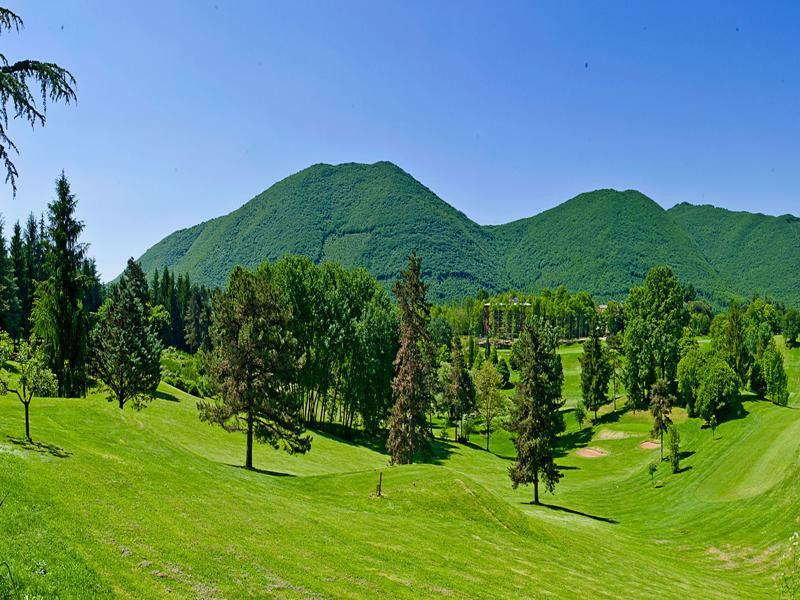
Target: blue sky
188	109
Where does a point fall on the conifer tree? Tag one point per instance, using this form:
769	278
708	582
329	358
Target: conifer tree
253	363
413	384
126	352
595	371
459	393
536	419
60	319
10	316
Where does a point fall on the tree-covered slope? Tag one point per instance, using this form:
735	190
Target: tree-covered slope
360	215
753	253
604	242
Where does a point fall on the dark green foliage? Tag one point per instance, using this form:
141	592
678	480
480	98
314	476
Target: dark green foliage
536	418
413	383
60	318
459	391
776	384
253	364
373	215
791	327
441	332
674	449
505	372
126	352
493	355
10	311
734	244
580	414
691	370
20	84
595	372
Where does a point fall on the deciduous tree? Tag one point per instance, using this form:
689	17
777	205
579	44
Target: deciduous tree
491	401
661	407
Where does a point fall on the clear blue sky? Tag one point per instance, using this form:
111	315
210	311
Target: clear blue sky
187	110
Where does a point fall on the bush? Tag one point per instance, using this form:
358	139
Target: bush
674	449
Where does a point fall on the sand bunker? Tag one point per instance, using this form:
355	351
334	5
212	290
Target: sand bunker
591	452
609	434
649	445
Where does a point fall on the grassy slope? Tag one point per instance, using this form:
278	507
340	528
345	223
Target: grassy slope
752	252
602	241
146	504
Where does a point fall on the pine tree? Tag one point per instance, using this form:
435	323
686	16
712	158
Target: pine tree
126	352
254	362
10	314
595	372
459	393
413	383
60	319
20	272
536	419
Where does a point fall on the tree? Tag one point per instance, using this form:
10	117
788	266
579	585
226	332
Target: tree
493	355
728	337
9	297
651	470
580	414
690	373
126	351
718	387
655	315
774	375
791	326
18	83
661	407
35	379
413	384
595	372
712	422
459	391
491	401
505	372
253	362
674	449
60	320
536	419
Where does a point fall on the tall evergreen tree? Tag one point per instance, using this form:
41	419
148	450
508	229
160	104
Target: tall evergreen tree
413	383
595	371
459	393
10	314
536	419
254	362
60	318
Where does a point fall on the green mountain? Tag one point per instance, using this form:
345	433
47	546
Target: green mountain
602	241
751	253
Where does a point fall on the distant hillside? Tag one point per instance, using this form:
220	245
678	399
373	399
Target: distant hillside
752	253
602	241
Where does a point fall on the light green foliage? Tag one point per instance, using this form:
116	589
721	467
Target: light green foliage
655	316
34	378
691	370
719	386
492	403
661	407
775	379
504	371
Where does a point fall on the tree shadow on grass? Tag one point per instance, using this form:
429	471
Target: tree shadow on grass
262	471
40	447
166	396
572	440
376	443
572	511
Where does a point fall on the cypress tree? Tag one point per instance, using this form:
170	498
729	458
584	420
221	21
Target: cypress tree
595	372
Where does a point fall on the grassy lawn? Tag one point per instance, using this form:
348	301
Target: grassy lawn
153	504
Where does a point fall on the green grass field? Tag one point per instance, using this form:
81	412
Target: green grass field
153	504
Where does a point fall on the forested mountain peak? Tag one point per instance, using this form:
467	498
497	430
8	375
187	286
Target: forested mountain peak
374	215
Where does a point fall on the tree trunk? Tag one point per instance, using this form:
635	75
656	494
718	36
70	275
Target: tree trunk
536	489
27	422
121	401
661	448
248	461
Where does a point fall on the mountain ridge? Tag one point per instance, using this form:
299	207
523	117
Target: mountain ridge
373	215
